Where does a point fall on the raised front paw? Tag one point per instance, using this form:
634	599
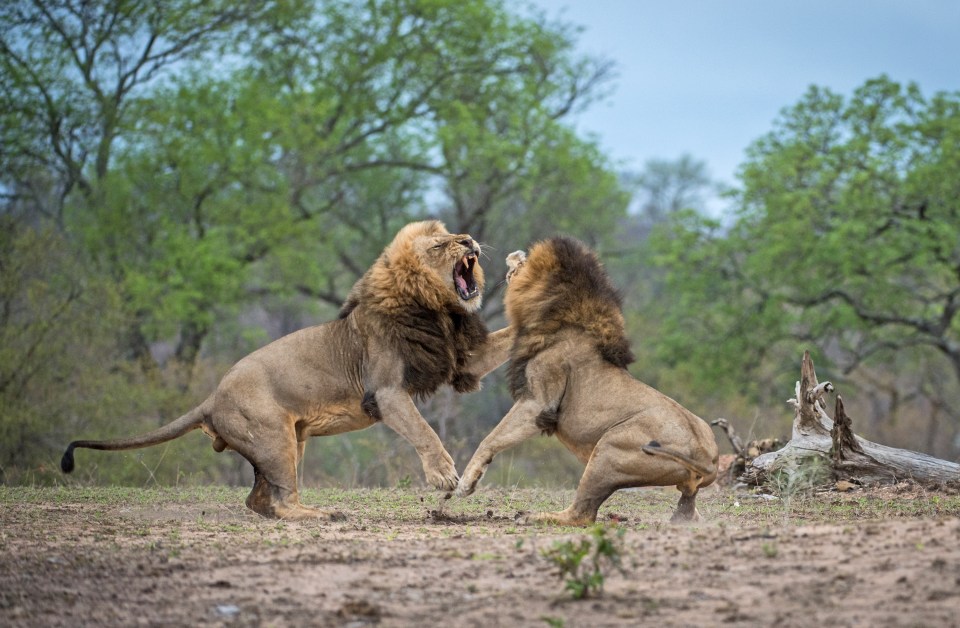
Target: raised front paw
468	483
440	472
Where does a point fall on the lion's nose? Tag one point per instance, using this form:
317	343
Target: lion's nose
469	243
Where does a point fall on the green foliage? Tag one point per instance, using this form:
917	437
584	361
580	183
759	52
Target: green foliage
845	240
55	322
583	563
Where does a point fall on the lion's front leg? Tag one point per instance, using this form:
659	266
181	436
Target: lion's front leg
494	352
517	426
400	414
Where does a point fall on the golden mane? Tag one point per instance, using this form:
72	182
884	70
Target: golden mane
563	285
418	313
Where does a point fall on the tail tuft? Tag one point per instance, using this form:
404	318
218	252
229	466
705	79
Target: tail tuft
66	463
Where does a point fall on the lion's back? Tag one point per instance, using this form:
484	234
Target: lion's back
319	362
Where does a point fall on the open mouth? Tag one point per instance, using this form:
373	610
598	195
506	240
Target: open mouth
463	277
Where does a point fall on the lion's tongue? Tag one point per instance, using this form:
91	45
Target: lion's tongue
461	283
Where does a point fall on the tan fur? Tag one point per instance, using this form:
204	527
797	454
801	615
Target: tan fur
404	330
568	376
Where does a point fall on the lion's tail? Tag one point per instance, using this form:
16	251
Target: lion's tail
654	449
175	429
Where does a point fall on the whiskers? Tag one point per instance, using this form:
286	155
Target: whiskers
514	261
484	248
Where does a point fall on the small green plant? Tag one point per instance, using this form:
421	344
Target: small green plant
582	563
405	482
553	622
769	549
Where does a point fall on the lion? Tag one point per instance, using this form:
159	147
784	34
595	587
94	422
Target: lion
408	326
568	376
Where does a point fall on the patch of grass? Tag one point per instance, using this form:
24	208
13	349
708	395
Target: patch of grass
491	510
799	476
121	496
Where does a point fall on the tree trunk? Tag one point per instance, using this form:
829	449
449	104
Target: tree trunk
819	442
187	351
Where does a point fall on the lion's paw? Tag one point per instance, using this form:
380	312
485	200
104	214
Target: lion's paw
441	474
465	487
471	477
300	512
682	517
443	482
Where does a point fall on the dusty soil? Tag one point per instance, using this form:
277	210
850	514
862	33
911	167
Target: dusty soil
124	557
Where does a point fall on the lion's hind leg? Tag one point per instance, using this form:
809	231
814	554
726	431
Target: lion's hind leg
697	474
271	500
270	444
275	495
686	511
613	465
603	475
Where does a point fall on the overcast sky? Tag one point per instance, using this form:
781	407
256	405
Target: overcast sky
707	77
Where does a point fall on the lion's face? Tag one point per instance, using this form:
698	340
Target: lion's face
455	258
428	263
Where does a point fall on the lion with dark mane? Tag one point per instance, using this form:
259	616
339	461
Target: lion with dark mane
568	377
409	325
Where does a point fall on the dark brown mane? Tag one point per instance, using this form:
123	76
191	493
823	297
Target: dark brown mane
435	345
563	285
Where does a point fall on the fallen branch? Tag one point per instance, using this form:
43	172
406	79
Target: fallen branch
816	437
732	466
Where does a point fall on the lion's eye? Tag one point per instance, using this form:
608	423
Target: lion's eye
437	246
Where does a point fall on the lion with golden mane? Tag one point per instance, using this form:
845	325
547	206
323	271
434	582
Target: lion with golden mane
568	378
408	326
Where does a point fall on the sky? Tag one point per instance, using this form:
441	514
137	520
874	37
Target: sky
708	77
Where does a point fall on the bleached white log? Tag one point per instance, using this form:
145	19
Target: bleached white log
866	463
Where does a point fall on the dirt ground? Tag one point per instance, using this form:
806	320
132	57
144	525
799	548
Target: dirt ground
124	557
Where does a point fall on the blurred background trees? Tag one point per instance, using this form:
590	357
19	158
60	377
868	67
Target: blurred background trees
183	182
845	239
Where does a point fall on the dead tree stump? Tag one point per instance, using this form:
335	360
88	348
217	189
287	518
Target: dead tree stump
828	446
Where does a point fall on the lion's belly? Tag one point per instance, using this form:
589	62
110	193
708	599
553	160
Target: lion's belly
333	419
577	445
